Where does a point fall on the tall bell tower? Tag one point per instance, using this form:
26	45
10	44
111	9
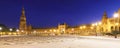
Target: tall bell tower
23	23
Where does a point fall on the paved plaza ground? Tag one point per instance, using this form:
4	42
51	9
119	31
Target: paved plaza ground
62	41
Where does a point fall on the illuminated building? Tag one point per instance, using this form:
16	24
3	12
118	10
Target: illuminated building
23	23
98	28
110	24
23	28
104	26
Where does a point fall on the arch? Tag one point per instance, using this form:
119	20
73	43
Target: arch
119	28
102	29
111	27
115	27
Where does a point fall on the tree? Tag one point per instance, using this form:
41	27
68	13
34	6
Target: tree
115	33
109	34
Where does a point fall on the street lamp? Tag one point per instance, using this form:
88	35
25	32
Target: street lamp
81	27
115	15
72	29
50	30
54	30
0	28
91	27
34	31
45	31
22	31
17	30
84	26
99	23
95	25
10	29
99	28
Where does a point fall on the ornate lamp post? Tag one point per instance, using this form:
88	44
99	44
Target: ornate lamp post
11	29
17	31
0	30
95	26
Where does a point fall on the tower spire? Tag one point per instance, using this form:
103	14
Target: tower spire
104	18
23	23
23	11
105	14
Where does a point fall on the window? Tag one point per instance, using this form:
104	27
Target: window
111	27
115	27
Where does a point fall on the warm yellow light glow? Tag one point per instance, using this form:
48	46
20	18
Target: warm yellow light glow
0	28
99	23
34	31
3	33
55	30
72	29
45	31
10	29
93	24
15	33
22	31
116	23
84	26
63	29
115	15
81	27
50	30
91	27
9	33
17	30
96	23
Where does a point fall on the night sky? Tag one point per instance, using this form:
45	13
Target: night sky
47	13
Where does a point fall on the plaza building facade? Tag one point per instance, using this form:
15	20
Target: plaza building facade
106	25
110	24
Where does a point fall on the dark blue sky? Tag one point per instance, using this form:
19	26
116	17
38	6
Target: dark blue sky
44	13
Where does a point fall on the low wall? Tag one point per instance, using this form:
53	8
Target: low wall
9	33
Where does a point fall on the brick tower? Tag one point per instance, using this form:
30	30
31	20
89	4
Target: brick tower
23	23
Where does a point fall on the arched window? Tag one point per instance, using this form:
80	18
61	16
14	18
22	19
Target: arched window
115	27
111	27
119	28
102	29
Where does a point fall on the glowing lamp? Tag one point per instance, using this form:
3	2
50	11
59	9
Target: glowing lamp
115	15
